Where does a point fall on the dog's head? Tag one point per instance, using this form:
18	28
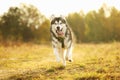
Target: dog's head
58	26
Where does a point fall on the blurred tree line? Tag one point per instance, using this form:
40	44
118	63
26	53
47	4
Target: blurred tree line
101	26
26	24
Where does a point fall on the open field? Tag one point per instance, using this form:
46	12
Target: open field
37	62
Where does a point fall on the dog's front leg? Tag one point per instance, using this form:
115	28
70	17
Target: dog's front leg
63	56
56	52
69	54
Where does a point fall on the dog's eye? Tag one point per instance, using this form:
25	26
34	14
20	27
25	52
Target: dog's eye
55	23
60	23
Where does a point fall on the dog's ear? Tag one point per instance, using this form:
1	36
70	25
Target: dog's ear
52	17
62	16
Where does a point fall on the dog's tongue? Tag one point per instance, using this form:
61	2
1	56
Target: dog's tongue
59	32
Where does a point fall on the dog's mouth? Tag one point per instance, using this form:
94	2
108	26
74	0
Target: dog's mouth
60	33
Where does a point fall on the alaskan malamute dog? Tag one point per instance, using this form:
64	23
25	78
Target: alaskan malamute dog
62	39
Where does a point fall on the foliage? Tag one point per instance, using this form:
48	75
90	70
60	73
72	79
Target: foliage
43	32
21	24
77	23
26	24
96	26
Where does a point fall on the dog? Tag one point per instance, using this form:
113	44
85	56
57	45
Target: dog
62	39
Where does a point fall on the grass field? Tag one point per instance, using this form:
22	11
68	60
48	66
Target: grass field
37	62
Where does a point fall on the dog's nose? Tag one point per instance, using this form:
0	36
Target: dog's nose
58	28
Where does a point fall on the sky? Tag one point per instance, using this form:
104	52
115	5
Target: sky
60	7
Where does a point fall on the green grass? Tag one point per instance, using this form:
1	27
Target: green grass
37	62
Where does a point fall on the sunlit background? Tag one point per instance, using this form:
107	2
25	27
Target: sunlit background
64	7
91	21
25	42
28	20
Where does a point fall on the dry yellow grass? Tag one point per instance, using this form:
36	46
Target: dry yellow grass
37	62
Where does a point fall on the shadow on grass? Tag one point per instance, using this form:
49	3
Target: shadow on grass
53	69
87	78
30	74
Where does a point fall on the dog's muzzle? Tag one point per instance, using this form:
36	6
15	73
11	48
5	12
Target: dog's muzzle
59	32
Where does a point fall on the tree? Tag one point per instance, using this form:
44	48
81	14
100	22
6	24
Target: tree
96	25
115	23
43	32
9	27
31	18
77	23
21	23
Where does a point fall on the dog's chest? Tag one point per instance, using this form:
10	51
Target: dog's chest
62	43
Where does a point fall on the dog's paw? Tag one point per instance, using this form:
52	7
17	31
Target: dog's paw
70	60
